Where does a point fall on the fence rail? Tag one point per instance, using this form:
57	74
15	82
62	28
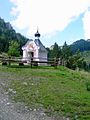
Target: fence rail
32	61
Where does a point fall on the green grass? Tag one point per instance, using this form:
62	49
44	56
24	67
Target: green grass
59	91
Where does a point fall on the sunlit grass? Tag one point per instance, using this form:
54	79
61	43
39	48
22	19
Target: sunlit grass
60	91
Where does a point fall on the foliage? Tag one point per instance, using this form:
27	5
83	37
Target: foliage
75	61
54	52
8	34
14	49
88	86
72	61
58	52
86	56
66	51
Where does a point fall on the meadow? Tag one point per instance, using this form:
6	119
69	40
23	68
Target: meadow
59	91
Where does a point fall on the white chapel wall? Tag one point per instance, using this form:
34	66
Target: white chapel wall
25	54
43	56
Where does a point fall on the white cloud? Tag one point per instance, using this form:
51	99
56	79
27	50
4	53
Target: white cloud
48	15
86	23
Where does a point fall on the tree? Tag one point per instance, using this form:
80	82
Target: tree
75	61
8	34
14	49
66	51
54	51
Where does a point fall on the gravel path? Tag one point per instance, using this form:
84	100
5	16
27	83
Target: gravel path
16	111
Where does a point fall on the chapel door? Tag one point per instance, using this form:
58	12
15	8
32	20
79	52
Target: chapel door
32	55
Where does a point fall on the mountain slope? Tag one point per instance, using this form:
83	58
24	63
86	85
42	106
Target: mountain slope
82	45
86	56
7	34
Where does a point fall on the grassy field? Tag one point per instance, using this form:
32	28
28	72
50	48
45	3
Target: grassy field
60	91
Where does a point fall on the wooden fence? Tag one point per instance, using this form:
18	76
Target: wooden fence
33	61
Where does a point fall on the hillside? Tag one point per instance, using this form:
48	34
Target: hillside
82	45
59	91
7	34
86	56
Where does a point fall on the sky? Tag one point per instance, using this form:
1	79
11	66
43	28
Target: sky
57	20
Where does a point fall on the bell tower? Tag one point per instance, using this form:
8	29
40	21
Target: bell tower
37	35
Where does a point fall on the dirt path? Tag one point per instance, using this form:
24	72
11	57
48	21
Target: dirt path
16	111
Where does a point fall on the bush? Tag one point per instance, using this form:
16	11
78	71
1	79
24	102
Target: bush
4	63
21	64
88	86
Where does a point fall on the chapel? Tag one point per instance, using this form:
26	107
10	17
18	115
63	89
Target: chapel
34	50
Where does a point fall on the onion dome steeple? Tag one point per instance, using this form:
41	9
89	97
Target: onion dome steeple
37	34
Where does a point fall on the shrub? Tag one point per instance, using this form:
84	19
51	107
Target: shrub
88	86
4	63
21	64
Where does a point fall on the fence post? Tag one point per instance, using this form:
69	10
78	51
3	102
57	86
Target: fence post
9	62
55	63
31	62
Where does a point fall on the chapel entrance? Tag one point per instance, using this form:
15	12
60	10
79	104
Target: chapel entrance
32	55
